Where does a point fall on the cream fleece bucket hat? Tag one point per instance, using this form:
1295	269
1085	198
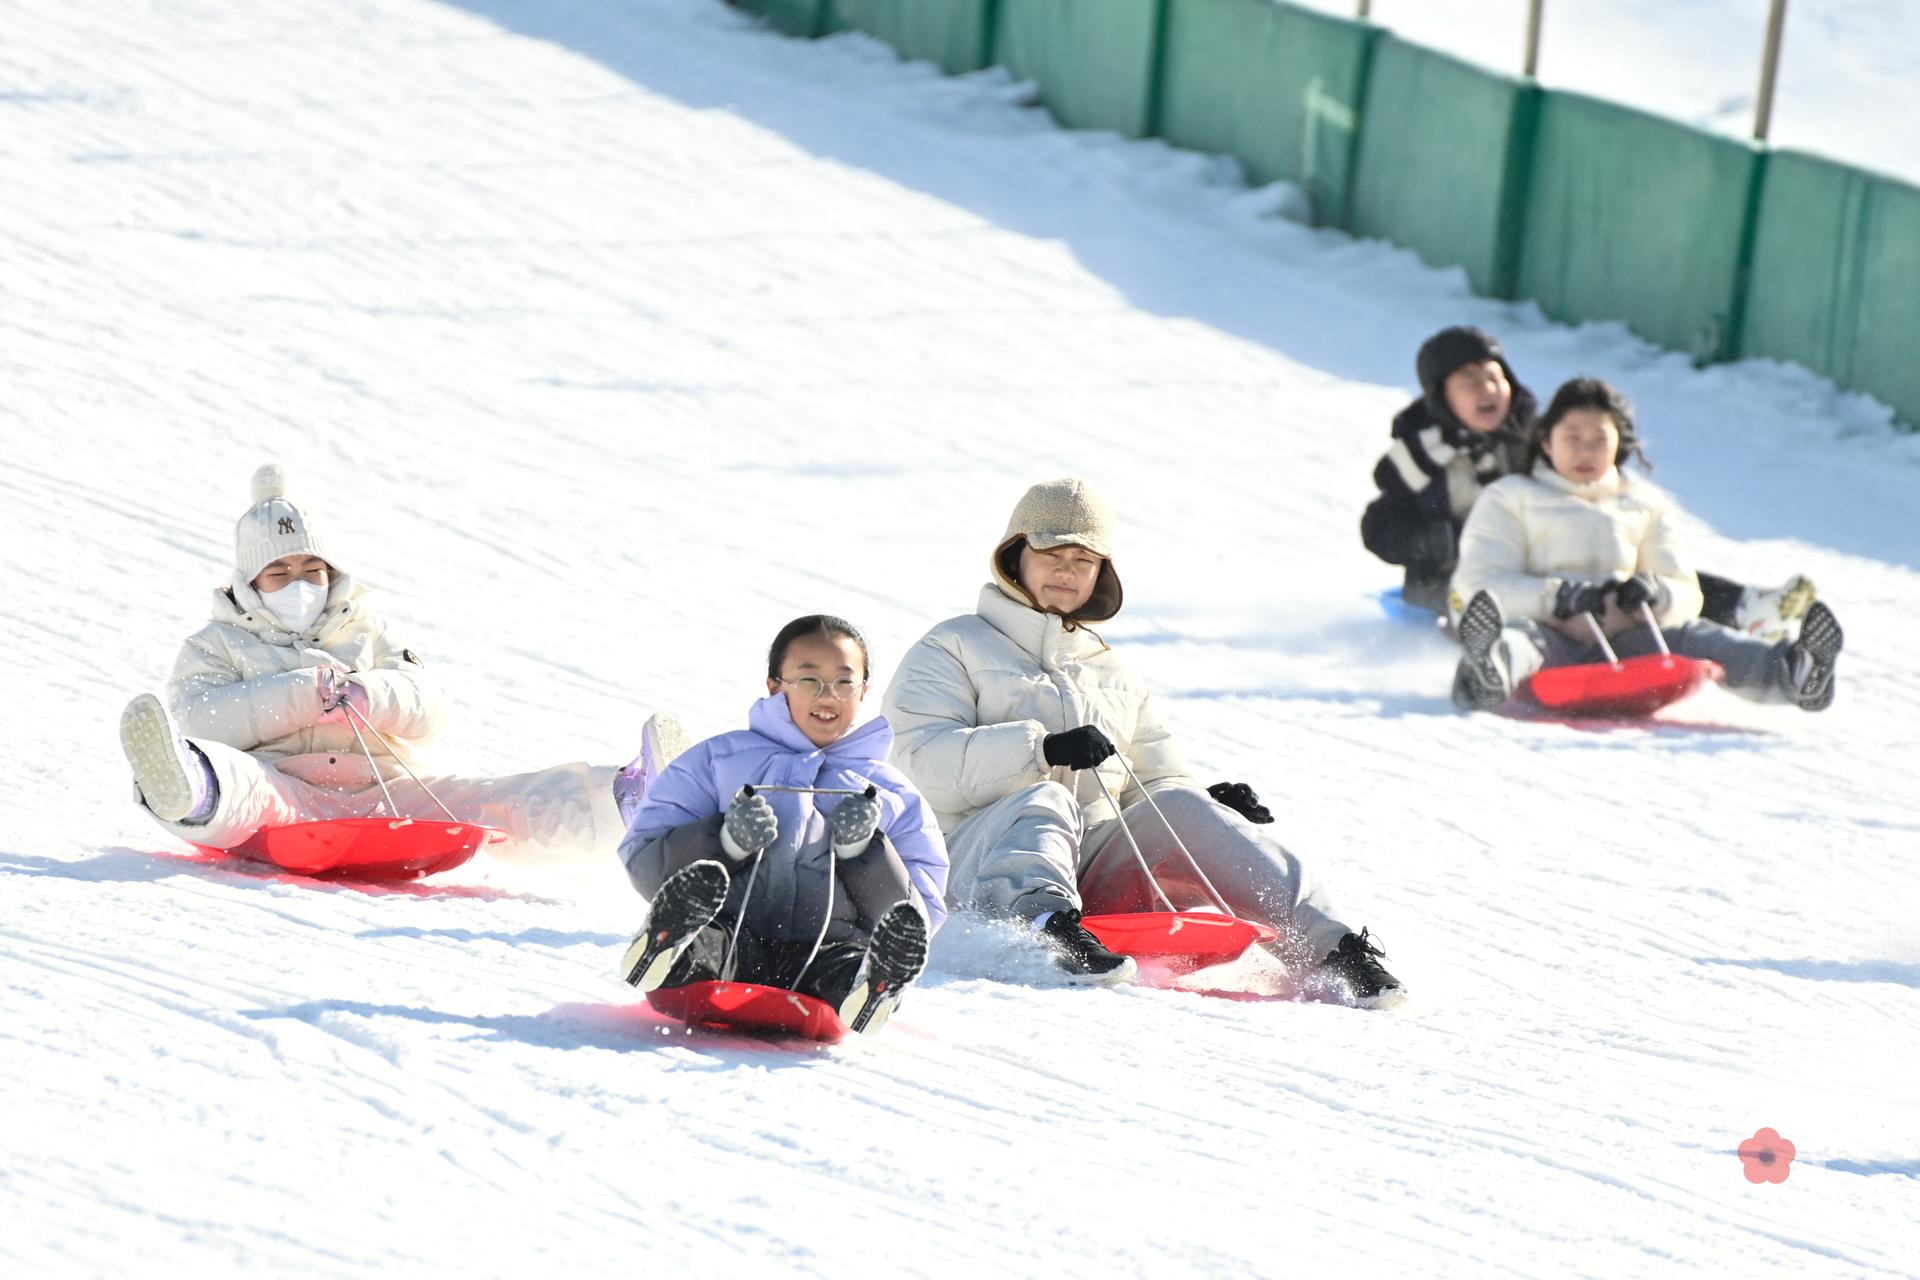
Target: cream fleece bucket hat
1055	513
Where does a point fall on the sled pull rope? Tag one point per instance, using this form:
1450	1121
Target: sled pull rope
1654	627
353	714
833	869
1600	638
1138	857
373	764
733	935
1178	843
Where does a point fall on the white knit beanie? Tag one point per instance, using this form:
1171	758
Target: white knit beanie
274	527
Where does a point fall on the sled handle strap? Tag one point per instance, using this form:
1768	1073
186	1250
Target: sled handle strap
869	792
1600	638
1138	857
733	935
1178	843
373	764
739	921
820	938
353	713
1654	627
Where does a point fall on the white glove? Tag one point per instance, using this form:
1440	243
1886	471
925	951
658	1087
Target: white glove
337	689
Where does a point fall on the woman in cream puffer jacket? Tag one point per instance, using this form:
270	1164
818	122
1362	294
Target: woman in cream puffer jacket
253	732
1010	719
1579	543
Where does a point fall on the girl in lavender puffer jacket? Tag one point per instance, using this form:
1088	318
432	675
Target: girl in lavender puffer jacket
790	853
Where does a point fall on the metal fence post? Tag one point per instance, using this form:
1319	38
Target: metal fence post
1769	69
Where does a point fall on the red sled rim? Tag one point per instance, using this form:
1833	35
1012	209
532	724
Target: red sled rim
749	1008
1635	687
1178	941
367	848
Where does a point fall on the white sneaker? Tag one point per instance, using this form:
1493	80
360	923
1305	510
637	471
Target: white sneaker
661	740
172	780
1773	614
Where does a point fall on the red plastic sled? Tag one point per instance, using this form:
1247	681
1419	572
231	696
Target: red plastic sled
1634	687
749	1008
1178	941
367	848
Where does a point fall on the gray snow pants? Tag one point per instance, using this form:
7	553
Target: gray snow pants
1028	853
1756	669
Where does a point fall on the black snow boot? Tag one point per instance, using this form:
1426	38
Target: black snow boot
1082	955
1361	979
896	954
1481	683
686	903
1811	658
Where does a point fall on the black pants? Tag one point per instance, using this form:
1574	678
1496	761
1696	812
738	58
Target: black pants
1426	588
771	962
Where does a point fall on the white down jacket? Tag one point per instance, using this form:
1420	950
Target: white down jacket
245	681
973	699
1528	534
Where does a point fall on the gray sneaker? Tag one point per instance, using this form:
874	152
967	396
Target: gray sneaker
1480	683
1811	659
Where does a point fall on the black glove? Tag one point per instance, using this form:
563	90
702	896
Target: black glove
1431	542
1635	591
1239	797
1081	748
1577	596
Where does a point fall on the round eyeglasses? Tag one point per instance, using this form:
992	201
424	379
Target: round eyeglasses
813	686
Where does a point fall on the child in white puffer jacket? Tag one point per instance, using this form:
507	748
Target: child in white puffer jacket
1579	543
267	714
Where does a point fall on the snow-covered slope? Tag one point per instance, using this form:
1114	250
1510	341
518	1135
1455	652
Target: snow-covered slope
1849	79
610	336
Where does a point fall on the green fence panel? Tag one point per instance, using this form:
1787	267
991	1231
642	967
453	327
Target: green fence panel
954	35
1635	218
791	17
1277	86
1836	277
1443	162
1093	59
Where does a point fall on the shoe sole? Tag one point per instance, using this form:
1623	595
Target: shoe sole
686	904
1479	629
147	736
895	957
662	739
1821	640
1118	975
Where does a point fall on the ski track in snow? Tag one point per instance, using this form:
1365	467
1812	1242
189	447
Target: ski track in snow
661	330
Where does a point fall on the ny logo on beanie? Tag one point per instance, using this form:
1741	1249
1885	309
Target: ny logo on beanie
286	524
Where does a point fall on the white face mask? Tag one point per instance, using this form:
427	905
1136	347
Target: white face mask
298	604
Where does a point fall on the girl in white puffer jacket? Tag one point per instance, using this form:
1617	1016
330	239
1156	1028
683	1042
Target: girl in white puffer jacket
1009	719
1578	542
262	694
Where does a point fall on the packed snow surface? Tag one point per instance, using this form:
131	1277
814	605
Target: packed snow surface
606	337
